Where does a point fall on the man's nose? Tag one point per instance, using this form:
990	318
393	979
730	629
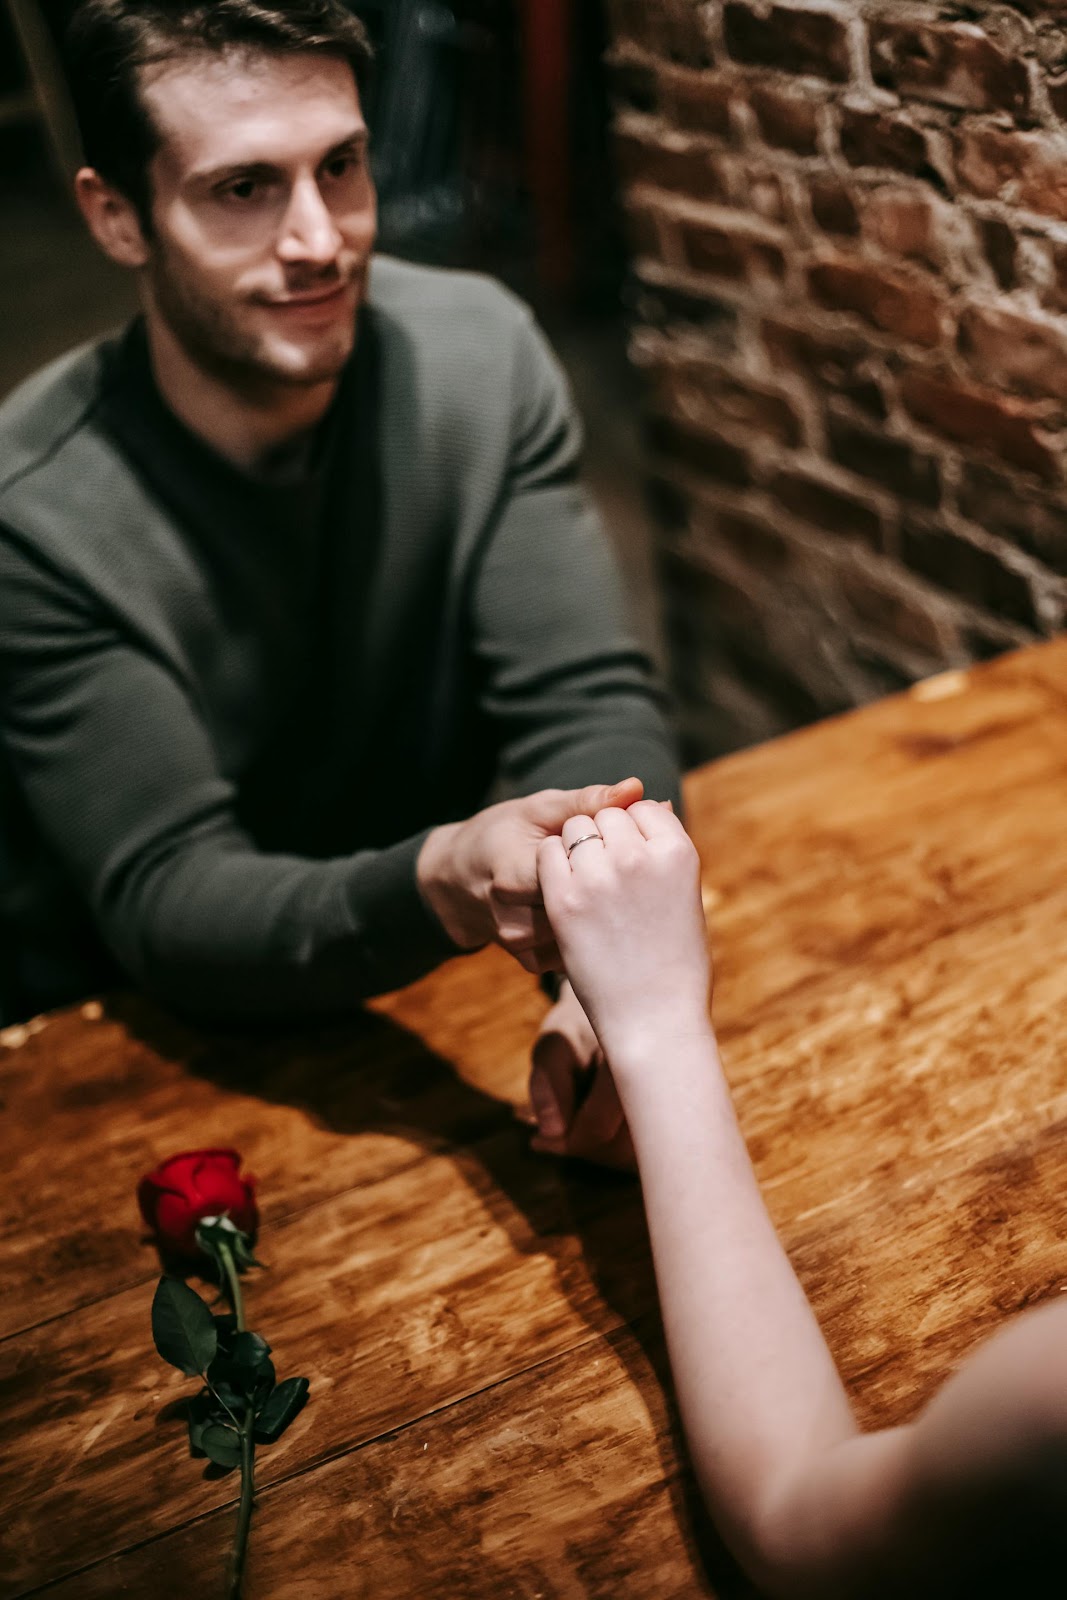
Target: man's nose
309	232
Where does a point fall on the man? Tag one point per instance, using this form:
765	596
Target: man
279	604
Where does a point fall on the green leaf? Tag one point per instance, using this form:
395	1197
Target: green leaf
198	1412
229	1399
243	1371
183	1327
250	1352
226	1328
285	1402
221	1444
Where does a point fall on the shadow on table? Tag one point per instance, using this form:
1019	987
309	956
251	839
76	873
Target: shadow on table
370	1075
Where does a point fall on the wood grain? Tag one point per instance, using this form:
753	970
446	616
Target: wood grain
566	1480
889	919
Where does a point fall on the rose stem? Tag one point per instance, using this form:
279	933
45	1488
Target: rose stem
233	1283
244	1513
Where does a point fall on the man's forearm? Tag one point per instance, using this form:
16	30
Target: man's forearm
223	930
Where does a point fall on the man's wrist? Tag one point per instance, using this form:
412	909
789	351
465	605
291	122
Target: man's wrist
439	889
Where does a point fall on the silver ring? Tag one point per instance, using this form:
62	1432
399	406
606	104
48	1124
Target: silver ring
571	848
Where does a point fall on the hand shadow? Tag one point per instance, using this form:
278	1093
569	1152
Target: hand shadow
368	1074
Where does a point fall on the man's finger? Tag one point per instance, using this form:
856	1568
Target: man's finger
550	808
517	927
597	1125
599	1117
552	1085
542	958
553	868
599	796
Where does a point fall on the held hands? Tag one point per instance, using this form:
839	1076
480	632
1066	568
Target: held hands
479	877
626	913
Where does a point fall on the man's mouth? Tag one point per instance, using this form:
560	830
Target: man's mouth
309	298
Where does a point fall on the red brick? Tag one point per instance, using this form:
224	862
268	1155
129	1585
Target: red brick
698	102
950	65
718	594
905	222
732	253
791	39
907	307
1001	506
1027	170
637	23
980	419
1057	93
833	207
967	569
704	390
671	28
704	452
1042	8
897	465
661	305
894	605
984	637
759	189
879	139
827	507
681	166
1055	293
633	83
749	186
835	362
642	231
786	120
753	541
683	37
998	243
1015	352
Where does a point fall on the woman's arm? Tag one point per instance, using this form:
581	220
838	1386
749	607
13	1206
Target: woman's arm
759	1394
809	1505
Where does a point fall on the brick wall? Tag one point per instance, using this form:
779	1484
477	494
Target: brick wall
849	234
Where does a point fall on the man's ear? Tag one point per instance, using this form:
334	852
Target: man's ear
112	219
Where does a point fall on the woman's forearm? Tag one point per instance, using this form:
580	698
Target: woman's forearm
760	1396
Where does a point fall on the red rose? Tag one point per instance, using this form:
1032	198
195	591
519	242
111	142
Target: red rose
195	1184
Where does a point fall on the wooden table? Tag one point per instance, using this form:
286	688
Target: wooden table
490	1414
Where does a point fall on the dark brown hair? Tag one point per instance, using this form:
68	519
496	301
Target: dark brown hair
110	42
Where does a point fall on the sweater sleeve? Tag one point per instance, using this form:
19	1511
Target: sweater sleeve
573	697
119	771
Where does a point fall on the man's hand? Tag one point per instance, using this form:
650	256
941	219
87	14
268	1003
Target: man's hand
479	877
573	1093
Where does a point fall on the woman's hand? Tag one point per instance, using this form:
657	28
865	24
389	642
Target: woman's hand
622	893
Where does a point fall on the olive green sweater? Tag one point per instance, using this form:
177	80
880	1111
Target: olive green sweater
233	705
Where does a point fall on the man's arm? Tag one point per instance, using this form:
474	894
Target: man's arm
120	773
570	694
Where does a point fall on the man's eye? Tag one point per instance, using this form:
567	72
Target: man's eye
341	166
241	189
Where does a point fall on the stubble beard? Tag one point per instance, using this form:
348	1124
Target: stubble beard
246	359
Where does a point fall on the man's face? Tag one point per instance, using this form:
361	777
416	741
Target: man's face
263	214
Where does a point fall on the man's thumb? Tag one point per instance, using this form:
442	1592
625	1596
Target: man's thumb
587	802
